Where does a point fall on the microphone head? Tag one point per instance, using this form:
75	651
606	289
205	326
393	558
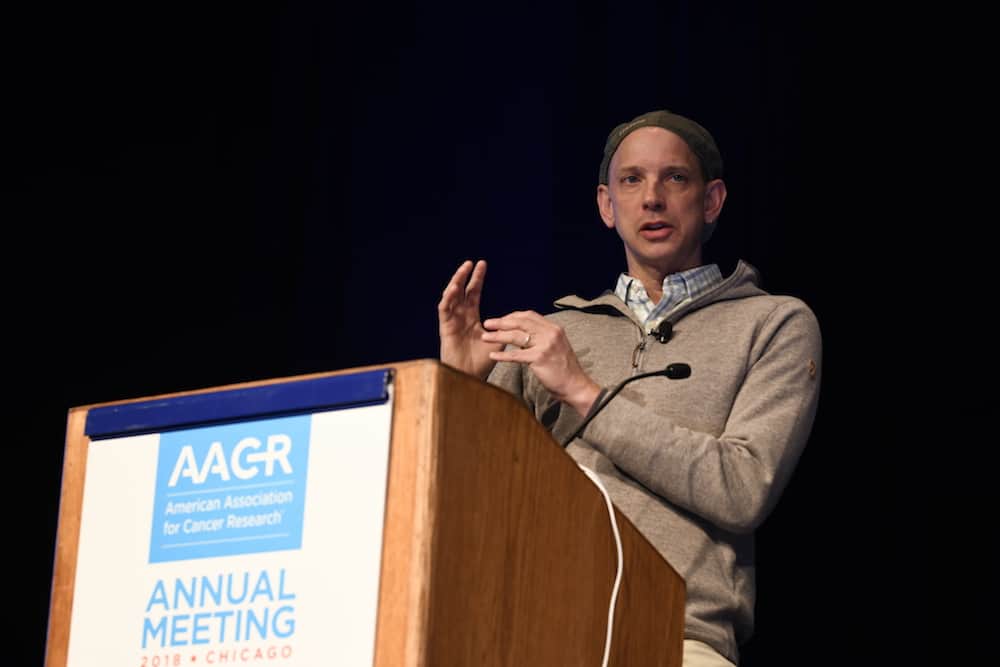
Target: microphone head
677	371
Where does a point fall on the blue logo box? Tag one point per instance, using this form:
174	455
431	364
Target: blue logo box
230	489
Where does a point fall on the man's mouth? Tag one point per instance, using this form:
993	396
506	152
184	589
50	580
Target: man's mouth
655	230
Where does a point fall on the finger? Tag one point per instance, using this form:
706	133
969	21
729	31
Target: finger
475	287
454	289
461	275
515	355
517	337
448	299
526	320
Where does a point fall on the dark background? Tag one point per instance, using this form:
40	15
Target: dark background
214	195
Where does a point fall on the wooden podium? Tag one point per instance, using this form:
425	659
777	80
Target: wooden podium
496	548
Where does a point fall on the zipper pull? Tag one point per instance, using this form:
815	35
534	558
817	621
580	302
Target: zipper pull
637	351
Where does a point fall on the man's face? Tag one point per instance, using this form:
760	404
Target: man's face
658	201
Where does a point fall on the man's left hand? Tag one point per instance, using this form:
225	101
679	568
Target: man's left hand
543	346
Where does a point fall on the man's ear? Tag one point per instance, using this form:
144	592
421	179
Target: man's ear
604	206
715	197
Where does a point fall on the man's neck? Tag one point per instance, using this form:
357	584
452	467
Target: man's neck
652	279
654	289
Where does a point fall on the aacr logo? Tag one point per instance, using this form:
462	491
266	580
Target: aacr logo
244	461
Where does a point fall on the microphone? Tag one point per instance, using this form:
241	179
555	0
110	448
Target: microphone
664	331
672	371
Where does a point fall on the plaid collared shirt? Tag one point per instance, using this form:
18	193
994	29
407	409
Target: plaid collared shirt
678	289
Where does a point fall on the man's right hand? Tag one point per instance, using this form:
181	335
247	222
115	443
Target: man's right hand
459	325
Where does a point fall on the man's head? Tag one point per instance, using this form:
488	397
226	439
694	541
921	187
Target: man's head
661	190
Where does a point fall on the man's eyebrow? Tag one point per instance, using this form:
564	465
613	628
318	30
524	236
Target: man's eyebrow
668	168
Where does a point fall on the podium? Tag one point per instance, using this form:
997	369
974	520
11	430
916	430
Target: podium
487	544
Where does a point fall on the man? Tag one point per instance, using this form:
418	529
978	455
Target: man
696	465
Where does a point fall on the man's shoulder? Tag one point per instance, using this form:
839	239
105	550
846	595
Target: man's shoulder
761	303
577	302
743	286
773	316
573	307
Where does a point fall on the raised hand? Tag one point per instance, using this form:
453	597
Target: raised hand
459	325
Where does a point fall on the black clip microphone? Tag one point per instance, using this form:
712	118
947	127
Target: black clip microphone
664	331
672	371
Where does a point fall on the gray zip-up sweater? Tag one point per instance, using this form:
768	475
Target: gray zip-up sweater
698	463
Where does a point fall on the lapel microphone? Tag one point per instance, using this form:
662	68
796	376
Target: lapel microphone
672	371
664	331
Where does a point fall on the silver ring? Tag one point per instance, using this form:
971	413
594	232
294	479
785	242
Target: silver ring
527	339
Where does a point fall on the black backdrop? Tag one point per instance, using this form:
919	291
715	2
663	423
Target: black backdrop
214	195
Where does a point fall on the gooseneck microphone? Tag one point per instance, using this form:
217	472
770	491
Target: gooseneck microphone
672	371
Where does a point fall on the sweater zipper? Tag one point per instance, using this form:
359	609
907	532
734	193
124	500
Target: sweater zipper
637	354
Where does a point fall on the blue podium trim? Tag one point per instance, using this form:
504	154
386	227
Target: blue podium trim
296	396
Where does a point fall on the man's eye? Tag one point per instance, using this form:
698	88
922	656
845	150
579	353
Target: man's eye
678	178
631	178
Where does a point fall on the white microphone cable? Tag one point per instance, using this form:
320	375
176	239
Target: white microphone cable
618	575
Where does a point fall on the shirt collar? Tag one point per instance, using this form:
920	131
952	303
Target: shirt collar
678	288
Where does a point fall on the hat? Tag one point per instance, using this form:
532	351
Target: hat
697	138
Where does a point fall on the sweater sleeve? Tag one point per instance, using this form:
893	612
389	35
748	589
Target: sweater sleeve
733	479
509	376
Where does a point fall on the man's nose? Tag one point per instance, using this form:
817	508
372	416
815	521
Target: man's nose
652	196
